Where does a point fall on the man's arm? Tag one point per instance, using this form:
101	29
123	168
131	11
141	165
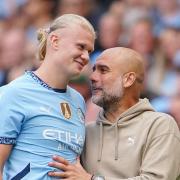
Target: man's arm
160	162
5	151
76	172
69	171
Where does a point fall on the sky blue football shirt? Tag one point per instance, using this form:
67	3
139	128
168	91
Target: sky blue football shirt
40	122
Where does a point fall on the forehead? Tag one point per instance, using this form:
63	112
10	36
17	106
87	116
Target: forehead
106	60
112	60
77	30
78	33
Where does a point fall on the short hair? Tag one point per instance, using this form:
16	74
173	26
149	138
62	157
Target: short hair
59	23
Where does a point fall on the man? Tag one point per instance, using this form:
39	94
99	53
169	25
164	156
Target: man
40	114
129	140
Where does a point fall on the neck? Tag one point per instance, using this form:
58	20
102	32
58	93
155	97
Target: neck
114	110
52	76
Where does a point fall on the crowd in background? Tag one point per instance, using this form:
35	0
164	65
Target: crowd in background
151	27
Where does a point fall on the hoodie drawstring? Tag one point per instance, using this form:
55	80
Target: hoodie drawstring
100	141
142	106
116	141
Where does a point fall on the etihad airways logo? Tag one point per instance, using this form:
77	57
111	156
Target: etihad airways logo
63	136
67	140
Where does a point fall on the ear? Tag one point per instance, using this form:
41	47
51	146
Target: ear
54	41
129	79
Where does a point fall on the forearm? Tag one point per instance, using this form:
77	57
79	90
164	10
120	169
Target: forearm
5	151
1	168
139	178
1	176
132	178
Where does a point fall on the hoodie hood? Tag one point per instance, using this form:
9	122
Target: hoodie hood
142	106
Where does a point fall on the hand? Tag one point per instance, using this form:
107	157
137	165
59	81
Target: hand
69	171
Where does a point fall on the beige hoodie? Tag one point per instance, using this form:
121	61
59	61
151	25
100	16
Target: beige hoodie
141	145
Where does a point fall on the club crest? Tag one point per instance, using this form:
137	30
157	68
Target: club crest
65	109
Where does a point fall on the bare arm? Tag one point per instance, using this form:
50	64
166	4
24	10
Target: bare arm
5	151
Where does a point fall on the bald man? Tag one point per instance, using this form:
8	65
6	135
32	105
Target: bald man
129	140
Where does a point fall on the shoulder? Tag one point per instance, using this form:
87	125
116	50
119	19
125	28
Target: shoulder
91	126
14	89
74	94
162	124
158	117
92	131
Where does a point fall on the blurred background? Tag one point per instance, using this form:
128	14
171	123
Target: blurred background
151	27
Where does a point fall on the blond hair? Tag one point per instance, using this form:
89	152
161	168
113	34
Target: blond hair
61	22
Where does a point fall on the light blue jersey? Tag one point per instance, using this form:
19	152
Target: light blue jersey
40	122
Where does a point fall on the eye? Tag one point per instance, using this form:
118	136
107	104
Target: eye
103	70
81	46
94	68
89	52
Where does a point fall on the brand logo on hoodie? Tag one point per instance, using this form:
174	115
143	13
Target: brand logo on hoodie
131	140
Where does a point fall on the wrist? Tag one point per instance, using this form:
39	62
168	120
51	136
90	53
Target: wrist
89	176
97	177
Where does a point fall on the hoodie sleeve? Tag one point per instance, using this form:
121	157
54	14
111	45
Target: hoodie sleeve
161	157
161	160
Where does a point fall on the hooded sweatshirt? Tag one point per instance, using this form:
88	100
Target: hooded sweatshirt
141	145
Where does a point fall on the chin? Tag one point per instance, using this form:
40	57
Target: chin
97	100
77	73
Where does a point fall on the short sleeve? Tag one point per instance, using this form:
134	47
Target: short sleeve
11	114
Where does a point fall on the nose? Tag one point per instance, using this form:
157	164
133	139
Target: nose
85	56
93	77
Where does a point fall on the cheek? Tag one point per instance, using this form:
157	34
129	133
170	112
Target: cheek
116	85
74	53
108	88
107	82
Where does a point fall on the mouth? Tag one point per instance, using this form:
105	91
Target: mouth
95	90
80	63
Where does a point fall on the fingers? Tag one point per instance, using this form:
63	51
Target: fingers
78	164
58	174
61	175
78	160
60	160
68	171
59	163
58	166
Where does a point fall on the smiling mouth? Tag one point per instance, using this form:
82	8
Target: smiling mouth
80	63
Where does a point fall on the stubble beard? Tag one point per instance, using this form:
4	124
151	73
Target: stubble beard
109	97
